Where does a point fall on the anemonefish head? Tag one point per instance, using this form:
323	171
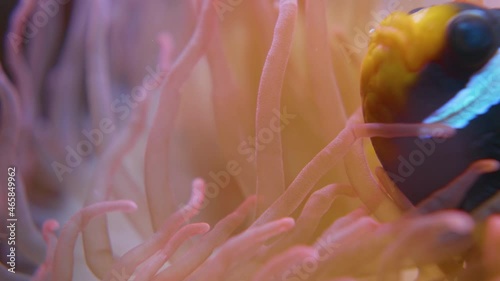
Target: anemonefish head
434	64
439	64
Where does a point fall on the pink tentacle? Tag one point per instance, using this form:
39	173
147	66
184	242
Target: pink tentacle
97	246
247	242
197	255
366	187
319	203
153	264
269	159
335	246
451	195
63	259
397	130
43	272
279	267
315	208
131	260
342	223
308	177
328	157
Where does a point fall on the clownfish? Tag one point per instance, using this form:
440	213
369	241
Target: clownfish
439	64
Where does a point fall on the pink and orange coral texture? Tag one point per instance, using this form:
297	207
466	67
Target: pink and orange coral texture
210	140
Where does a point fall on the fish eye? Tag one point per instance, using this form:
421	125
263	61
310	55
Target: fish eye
471	34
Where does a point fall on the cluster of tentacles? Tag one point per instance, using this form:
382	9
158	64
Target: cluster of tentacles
297	221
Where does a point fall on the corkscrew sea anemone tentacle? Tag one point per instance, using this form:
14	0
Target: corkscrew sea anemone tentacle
247	111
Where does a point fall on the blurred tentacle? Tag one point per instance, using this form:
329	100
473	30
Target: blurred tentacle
159	195
226	91
65	85
98	250
127	138
45	32
491	247
10	125
30	238
18	64
324	84
123	141
7	275
416	238
475	2
126	188
449	231
97	68
488	208
346	67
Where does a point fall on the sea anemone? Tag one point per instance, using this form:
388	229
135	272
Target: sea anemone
227	136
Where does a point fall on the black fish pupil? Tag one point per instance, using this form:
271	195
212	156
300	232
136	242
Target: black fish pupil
472	41
472	36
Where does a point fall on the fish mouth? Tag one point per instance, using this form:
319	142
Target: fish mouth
391	37
398	36
394	32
